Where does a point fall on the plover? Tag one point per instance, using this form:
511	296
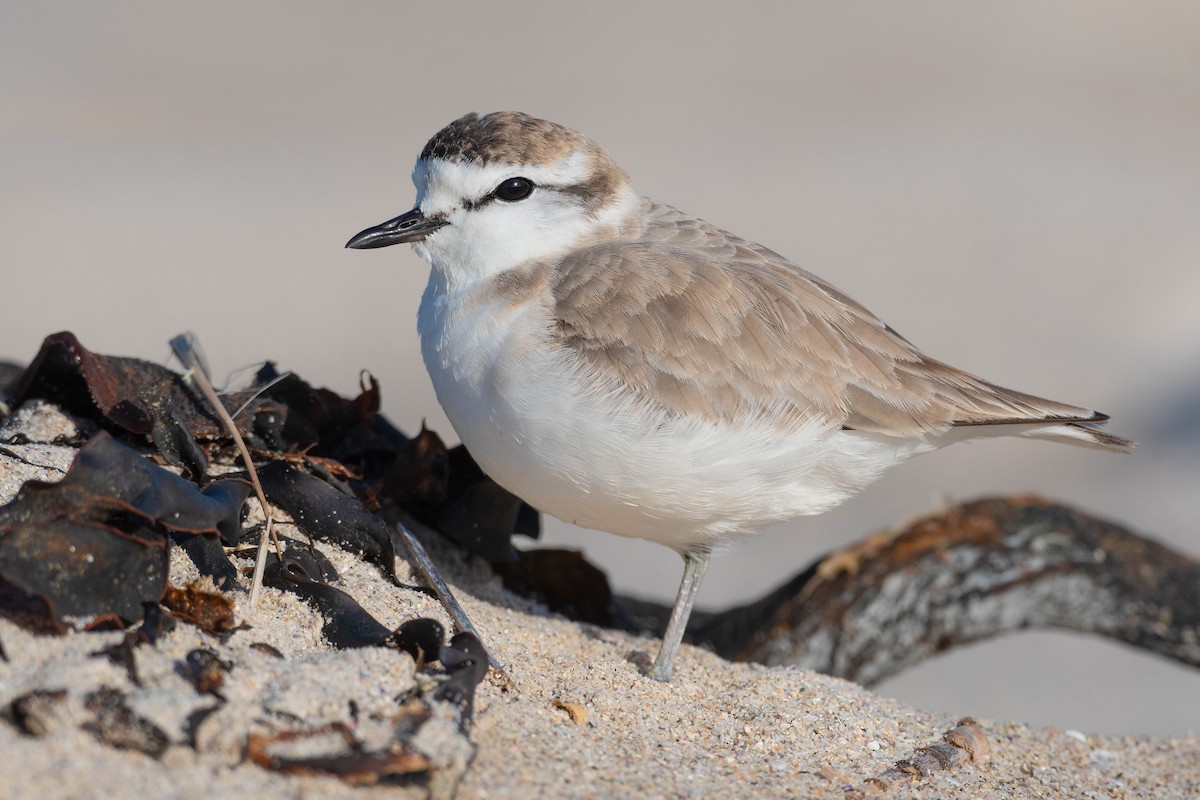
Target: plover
629	368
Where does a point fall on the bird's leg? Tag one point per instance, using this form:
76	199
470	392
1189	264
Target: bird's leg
695	562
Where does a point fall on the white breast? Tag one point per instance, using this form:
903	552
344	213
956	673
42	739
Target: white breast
581	451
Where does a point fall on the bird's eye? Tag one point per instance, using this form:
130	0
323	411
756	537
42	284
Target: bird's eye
514	189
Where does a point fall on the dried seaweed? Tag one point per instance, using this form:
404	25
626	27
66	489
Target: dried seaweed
354	765
94	545
421	639
186	348
36	713
206	670
155	623
10	374
347	624
122	393
318	419
178	447
419	476
428	571
565	581
326	514
208	611
466	661
210	559
115	724
447	490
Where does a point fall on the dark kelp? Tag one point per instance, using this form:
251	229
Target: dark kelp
94	545
117	725
565	581
421	639
465	659
326	514
155	623
120	392
347	624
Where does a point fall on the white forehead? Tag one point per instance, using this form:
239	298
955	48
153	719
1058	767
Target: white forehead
443	185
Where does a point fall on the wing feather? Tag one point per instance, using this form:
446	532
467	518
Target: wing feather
697	322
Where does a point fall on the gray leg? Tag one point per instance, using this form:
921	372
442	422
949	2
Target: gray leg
695	562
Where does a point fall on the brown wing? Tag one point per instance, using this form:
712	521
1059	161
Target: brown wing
698	322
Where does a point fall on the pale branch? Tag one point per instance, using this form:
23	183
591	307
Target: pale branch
423	565
970	572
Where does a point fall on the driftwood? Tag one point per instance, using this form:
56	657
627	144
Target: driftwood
971	572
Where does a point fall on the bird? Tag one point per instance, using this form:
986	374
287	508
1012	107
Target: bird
630	368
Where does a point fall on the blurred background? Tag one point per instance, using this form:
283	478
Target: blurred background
1015	187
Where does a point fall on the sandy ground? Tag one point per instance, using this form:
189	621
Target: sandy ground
583	721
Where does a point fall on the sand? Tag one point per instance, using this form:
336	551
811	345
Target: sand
582	721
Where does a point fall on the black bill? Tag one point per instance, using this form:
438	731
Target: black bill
411	227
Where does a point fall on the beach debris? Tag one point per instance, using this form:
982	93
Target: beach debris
576	711
424	566
446	489
322	512
10	374
177	446
864	613
116	725
419	477
120	392
280	418
344	756
420	638
93	547
37	713
206	670
319	420
187	349
347	624
482	519
266	649
155	623
211	612
196	719
466	661
210	558
965	744
565	581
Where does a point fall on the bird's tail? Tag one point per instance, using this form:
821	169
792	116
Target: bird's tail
1085	432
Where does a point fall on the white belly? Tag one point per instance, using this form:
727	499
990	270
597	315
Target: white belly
571	448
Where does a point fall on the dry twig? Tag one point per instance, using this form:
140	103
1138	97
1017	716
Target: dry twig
187	351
